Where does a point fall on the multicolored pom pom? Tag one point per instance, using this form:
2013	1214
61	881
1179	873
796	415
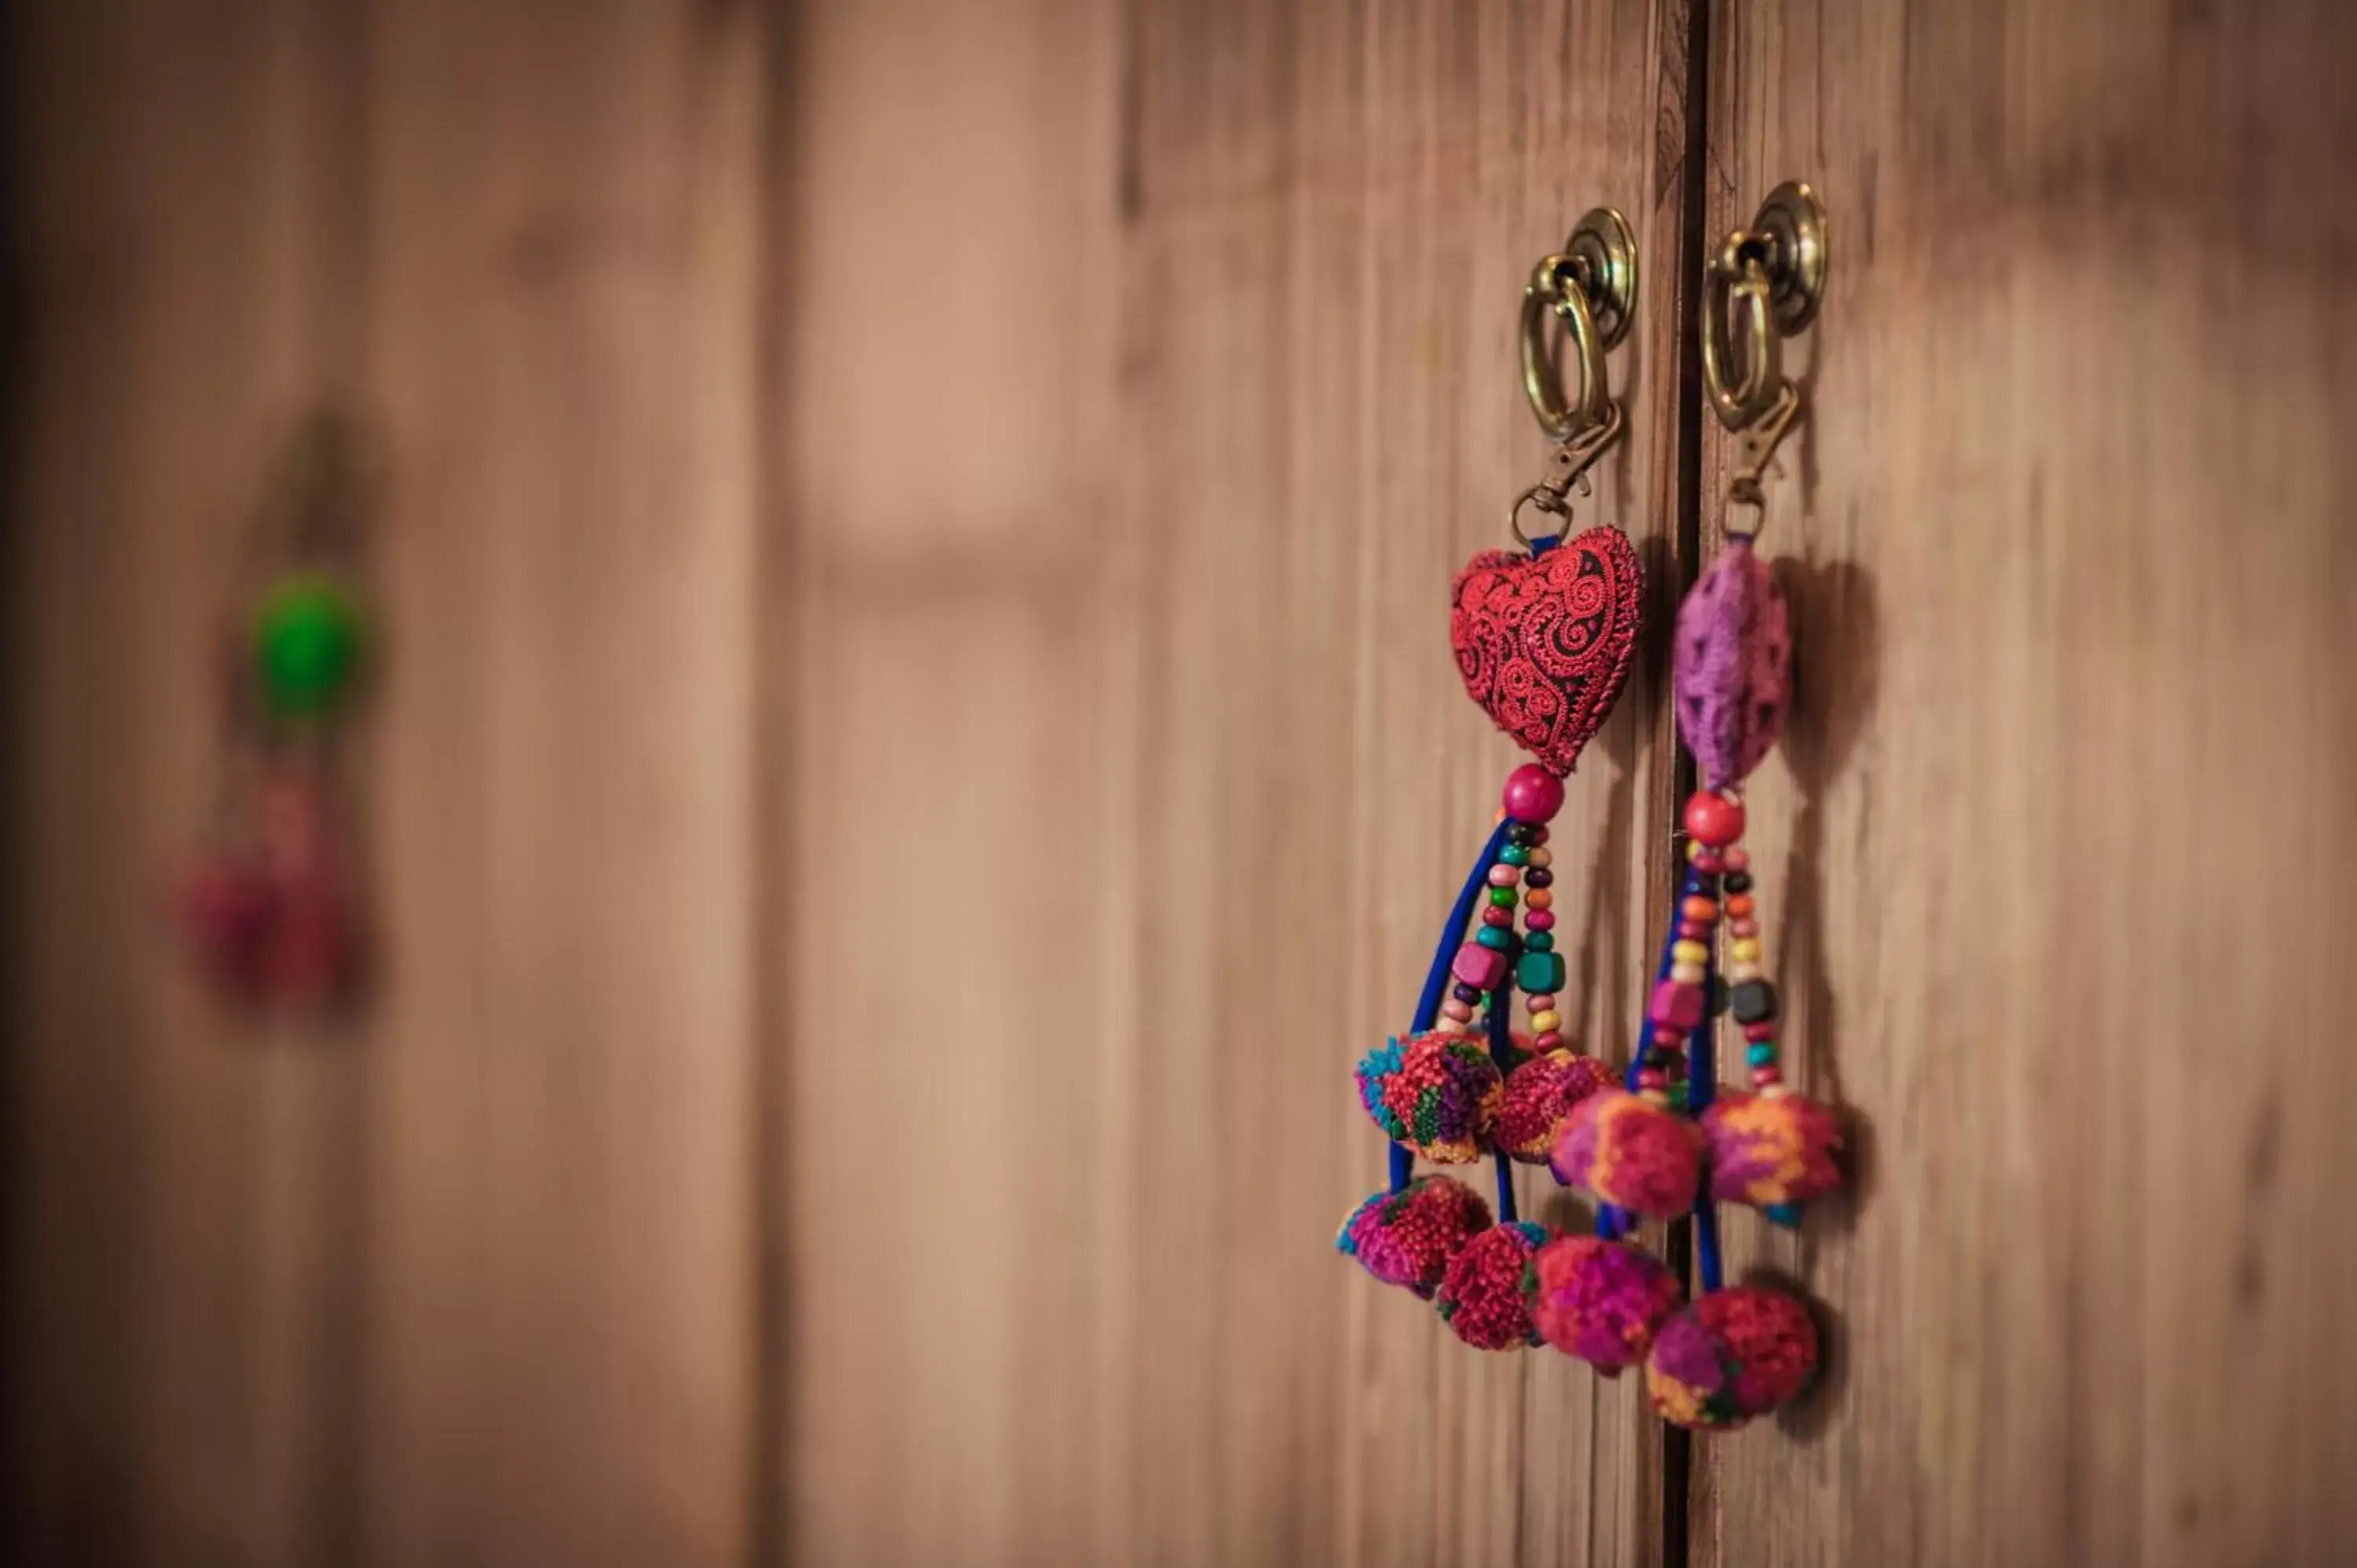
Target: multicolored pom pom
1485	1297
1733	1355
1771	1149
1733	675
1407	1238
1601	1301
1437	1092
1539	1096
1632	1152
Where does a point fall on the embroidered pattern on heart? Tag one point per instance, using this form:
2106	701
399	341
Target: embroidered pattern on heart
1544	642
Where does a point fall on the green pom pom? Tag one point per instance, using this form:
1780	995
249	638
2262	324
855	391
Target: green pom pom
306	646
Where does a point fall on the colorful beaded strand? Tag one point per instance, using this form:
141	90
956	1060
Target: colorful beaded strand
1437	979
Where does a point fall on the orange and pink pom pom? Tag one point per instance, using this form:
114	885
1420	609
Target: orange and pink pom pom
1631	1152
1771	1149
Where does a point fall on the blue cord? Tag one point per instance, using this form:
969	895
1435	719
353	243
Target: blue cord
1502	1041
1435	981
1701	1088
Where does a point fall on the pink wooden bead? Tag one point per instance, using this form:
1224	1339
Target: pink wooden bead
1504	876
1737	860
1478	967
1743	928
1550	1041
1675	1005
1540	920
1539	1002
1460	1011
1533	793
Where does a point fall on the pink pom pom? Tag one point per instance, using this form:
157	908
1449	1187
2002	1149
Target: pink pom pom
1733	675
1733	1355
1631	1152
1771	1149
1540	1095
1601	1301
1484	1297
1407	1238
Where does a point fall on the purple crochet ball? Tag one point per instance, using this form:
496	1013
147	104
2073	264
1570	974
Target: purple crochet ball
1407	1238
1734	665
1601	1301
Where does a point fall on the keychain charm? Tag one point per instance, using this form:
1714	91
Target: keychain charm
1544	636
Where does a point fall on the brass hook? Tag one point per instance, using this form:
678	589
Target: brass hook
1568	466
1765	281
1591	287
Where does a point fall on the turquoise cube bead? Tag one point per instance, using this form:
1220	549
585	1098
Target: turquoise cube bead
1541	974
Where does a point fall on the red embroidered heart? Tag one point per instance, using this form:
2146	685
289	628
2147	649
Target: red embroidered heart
1545	641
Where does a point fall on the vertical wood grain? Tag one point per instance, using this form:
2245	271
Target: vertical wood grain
2045	853
566	326
472	1283
1146	391
184	1194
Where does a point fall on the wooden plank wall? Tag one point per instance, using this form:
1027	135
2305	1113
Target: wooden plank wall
1131	775
473	1283
919	748
2069	533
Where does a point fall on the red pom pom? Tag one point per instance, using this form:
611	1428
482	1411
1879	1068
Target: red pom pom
1407	1238
1733	1355
1601	1301
1485	1297
1541	1095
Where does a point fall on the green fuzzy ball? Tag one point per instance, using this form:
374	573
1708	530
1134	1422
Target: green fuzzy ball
306	645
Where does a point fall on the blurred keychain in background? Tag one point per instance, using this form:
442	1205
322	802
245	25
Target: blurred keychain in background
269	909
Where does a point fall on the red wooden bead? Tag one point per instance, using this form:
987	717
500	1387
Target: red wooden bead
1714	819
1533	794
1540	920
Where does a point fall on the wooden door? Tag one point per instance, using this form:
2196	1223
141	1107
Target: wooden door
2068	536
919	747
1142	419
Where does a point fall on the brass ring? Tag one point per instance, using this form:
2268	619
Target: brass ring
1738	277
1592	286
1553	290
